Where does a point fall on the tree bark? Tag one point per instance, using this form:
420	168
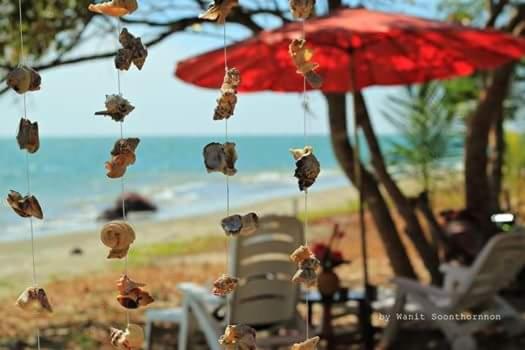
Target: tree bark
497	160
375	201
413	228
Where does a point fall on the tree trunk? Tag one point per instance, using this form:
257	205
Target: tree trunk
496	162
477	185
375	201
414	230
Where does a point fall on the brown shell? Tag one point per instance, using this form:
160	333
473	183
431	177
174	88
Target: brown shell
224	285
311	263
301	254
115	8
307	170
302	9
125	285
244	225
241	336
23	79
27	206
307	277
133	51
117	107
219	10
299	153
302	58
130	339
225	105
220	158
135	298
34	299
123	155
309	344
117	235
27	136
232	80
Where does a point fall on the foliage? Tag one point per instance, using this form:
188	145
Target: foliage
515	165
428	126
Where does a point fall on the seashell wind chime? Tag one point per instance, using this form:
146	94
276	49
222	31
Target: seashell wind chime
24	79
120	235
221	157
307	166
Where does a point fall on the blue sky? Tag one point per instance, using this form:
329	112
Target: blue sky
164	105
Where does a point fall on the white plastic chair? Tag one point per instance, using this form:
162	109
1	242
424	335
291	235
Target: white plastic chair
265	298
467	289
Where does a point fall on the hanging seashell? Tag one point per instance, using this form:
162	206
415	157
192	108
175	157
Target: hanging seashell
27	136
117	235
115	8
133	51
239	337
224	285
135	298
219	10
307	167
220	158
23	79
26	207
301	254
244	225
311	263
232	80
123	155
131	338
299	153
309	344
302	57
305	276
125	285
117	107
34	299
228	99
302	9
308	265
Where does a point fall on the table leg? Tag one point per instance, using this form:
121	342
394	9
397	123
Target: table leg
327	331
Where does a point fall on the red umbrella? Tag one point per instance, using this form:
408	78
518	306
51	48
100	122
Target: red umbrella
388	49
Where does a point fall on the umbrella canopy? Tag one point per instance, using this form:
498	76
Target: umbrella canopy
386	49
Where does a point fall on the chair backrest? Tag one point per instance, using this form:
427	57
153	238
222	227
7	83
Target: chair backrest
496	266
266	295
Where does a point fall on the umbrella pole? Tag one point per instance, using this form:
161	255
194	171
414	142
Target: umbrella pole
365	308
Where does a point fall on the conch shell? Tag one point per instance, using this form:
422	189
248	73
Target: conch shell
34	299
28	136
310	344
115	8
307	167
135	298
219	10
239	337
240	225
117	235
302	9
133	51
220	158
117	107
224	285
228	100
26	207
307	264
123	155
302	57
130	339
23	79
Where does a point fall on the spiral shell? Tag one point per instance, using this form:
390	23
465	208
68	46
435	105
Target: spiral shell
130	339
27	136
117	235
115	8
27	206
302	9
34	299
241	337
309	344
117	107
224	285
23	79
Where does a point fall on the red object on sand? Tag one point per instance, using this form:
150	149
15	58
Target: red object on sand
387	48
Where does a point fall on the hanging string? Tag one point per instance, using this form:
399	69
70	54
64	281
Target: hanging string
28	164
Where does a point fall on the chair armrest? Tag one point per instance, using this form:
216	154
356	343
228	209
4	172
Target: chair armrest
455	277
200	294
449	268
411	286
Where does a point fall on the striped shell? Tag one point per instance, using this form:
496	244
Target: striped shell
34	299
117	235
115	8
23	79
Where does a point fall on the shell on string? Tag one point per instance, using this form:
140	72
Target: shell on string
307	167
232	80
302	58
27	136
307	277
130	339
23	79
301	254
311	263
34	299
224	285
117	107
219	10
26	207
123	155
133	51
220	158
240	225
135	298
225	105
309	344
125	285
299	153
117	235
307	264
302	9
115	8
239	337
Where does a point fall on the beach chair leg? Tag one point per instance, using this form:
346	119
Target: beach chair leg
184	327
148	330
394	324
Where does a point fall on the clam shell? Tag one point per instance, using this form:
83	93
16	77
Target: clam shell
302	9
34	299
231	158
220	158
115	8
25	207
250	224
117	235
301	254
241	336
224	285
307	277
307	170
135	298
23	79
232	225
27	136
309	344
133	51
116	253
